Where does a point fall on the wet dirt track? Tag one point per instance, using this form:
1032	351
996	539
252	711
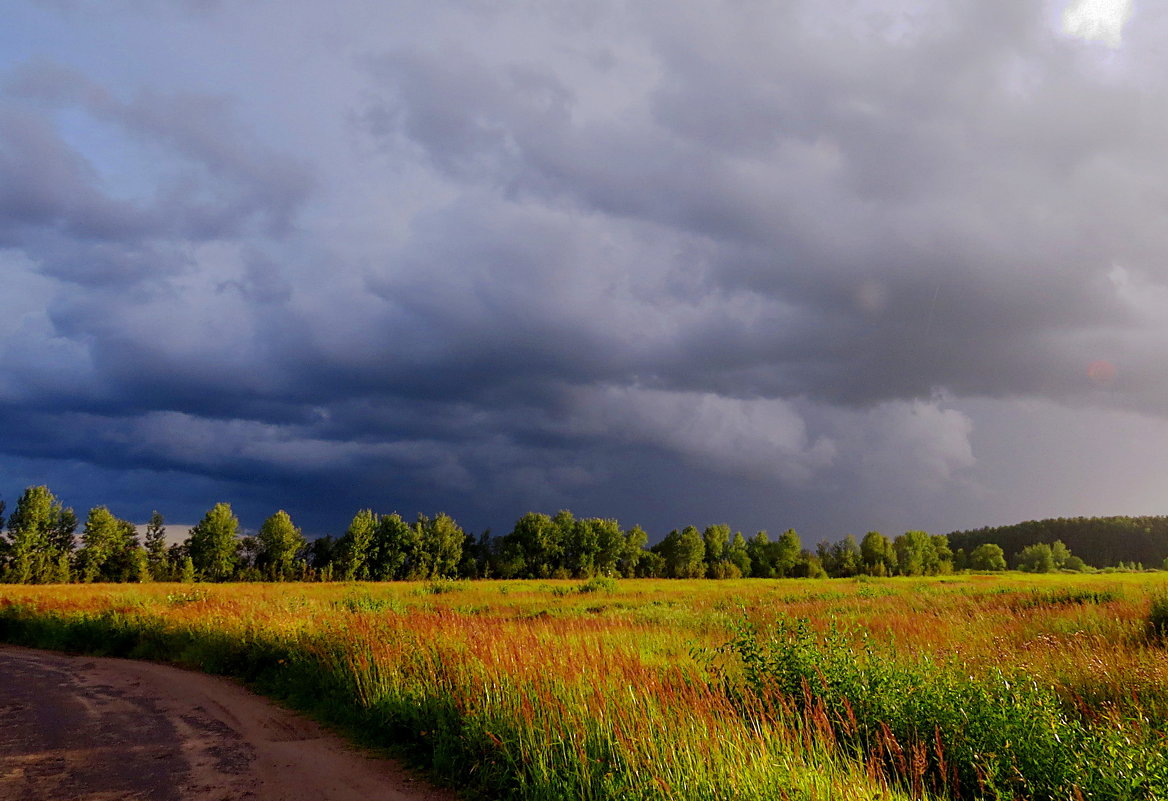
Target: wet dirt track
75	727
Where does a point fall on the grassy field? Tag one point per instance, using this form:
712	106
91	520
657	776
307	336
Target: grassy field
1002	686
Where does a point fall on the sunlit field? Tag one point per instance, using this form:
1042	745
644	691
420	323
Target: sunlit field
972	686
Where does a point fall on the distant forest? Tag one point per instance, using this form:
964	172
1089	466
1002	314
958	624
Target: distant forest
1099	541
43	541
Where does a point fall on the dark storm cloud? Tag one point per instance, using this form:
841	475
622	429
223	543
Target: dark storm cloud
975	183
551	256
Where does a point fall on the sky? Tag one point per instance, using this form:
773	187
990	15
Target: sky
835	265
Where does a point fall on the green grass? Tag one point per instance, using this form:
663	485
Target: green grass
963	687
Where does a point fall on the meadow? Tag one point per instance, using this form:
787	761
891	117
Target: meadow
995	686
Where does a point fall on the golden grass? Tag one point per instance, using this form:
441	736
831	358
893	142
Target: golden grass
534	689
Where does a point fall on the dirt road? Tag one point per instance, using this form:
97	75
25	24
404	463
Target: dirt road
75	728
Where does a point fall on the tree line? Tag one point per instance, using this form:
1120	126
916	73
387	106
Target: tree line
41	544
1101	541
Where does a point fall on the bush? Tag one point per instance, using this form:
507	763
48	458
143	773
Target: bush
1158	618
598	584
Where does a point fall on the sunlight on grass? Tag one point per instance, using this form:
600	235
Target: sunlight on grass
957	687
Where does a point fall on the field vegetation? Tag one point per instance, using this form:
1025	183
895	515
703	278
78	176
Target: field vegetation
996	686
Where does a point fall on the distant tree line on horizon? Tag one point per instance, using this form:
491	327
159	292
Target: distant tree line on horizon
1117	541
41	544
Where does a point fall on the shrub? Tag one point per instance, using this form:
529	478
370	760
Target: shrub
1158	618
598	584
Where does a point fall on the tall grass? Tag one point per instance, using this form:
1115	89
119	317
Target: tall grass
929	724
965	687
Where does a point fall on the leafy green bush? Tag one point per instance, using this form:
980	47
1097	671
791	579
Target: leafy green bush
598	584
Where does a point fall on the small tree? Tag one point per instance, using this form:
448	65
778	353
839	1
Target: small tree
787	553
651	565
212	543
760	549
715	538
610	544
62	572
100	541
840	559
1060	554
1036	558
737	553
279	543
441	539
632	551
394	552
353	548
877	554
987	556
687	557
40	532
156	560
186	573
140	566
533	548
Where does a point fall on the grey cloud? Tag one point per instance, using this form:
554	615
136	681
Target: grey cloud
1000	206
762	254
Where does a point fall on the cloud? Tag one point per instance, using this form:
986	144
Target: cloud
538	257
758	437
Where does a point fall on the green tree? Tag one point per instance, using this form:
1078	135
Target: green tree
1060	554
684	553
62	572
610	545
533	547
841	558
40	532
738	554
787	551
1036	558
156	561
579	545
651	565
353	547
61	539
632	551
987	556
476	556
212	543
3	541
761	551
140	566
395	551
101	540
323	554
440	539
916	554
186	573
715	538
877	554
124	563
280	543
807	566
940	559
